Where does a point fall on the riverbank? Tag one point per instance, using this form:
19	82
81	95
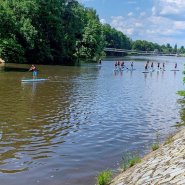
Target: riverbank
2	61
164	166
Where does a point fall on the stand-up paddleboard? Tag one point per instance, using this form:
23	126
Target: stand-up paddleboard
34	80
131	69
175	70
98	65
152	70
145	71
123	69
116	69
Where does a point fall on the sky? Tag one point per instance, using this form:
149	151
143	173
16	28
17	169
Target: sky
158	21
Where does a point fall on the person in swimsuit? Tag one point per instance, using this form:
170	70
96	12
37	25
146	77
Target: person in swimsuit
158	65
152	65
34	71
146	66
122	64
116	64
175	65
132	65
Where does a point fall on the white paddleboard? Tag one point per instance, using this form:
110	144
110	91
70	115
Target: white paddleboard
145	72
34	80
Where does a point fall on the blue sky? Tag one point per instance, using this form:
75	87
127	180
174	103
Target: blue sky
159	21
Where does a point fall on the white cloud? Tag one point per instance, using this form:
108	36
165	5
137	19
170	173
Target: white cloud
153	10
130	14
172	6
103	21
180	25
132	2
142	14
160	21
174	9
149	27
120	24
138	24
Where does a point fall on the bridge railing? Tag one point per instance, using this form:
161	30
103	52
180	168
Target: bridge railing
140	52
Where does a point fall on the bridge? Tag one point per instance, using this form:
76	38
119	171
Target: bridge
135	52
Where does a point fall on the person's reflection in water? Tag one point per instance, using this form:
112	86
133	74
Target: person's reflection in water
30	88
115	72
34	87
145	76
174	74
157	73
131	72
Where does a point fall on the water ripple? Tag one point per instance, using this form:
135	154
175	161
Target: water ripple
81	121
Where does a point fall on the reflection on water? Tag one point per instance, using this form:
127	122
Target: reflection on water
79	122
14	69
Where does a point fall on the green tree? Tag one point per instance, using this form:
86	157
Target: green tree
115	39
175	49
16	32
55	32
92	43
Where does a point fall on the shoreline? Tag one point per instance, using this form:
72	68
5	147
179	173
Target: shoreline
164	166
2	61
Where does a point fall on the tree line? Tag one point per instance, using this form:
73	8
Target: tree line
50	32
60	32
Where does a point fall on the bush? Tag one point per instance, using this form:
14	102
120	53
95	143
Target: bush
155	146
129	160
104	177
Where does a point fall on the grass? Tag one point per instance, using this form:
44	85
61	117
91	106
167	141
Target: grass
155	146
169	139
181	93
104	177
129	160
134	161
179	124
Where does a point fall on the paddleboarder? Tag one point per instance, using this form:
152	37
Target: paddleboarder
175	65
34	71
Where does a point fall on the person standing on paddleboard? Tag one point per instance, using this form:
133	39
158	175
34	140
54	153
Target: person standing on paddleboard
158	65
152	65
132	65
34	71
146	66
175	66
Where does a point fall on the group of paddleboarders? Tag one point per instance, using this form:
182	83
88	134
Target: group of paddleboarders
121	65
158	66
148	65
152	66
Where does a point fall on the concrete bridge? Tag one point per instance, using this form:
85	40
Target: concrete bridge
135	52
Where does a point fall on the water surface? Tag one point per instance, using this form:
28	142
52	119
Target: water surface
82	120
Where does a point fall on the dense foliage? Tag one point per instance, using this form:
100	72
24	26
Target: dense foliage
60	32
142	45
55	32
116	39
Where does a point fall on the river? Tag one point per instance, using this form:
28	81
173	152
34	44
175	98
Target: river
82	120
